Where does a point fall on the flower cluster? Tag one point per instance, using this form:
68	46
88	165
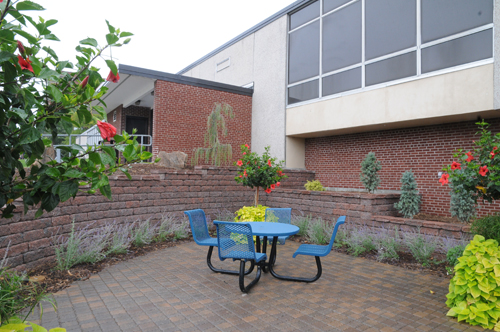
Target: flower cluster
259	171
478	170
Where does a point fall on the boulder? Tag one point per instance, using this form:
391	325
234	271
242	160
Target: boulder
175	159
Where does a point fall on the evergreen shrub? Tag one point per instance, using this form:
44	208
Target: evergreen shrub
409	202
369	172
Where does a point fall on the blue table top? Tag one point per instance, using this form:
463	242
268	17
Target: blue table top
273	229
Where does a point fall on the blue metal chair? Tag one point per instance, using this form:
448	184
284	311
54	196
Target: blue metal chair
235	241
310	250
282	215
199	228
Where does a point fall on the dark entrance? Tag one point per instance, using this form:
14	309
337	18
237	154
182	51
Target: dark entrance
141	124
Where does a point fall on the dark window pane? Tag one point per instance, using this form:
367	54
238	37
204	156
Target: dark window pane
441	18
477	46
303	92
391	69
304	53
332	4
391	26
344	81
304	15
342	38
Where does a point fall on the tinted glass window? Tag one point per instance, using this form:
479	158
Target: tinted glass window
342	38
401	66
344	81
441	18
332	4
391	26
456	52
303	92
304	15
304	53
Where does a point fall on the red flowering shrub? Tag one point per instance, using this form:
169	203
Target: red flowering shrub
478	171
256	171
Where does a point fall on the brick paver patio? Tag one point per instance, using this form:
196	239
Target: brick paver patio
173	290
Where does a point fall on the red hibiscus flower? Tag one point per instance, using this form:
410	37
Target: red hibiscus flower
471	158
239	163
483	170
247	146
84	82
107	131
241	176
245	173
455	165
278	184
112	77
273	186
25	64
244	153
268	190
269	162
444	179
280	173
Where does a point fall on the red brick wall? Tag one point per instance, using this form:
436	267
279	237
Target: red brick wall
180	117
336	159
118	121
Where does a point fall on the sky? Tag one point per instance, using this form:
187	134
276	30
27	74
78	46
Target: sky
168	34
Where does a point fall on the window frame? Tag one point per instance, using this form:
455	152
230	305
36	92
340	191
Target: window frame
419	46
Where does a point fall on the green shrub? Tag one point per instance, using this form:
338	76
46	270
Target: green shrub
17	325
387	244
409	201
454	253
302	222
143	233
488	226
474	292
369	169
342	237
462	203
319	231
360	240
420	246
314	186
251	213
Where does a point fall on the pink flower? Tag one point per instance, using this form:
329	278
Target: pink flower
241	176
471	158
239	163
273	186
112	77
483	170
247	146
268	190
25	64
269	162
278	184
455	165
107	130
244	153
444	179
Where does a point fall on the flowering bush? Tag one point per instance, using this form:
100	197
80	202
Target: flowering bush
256	171
42	94
477	171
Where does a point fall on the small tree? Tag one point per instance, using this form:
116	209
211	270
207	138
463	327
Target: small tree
369	169
216	153
409	202
462	204
256	171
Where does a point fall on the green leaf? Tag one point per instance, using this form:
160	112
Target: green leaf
28	5
29	135
51	52
95	158
37	328
6	56
112	66
129	153
67	125
106	191
126	41
51	36
73	173
146	155
53	172
57	329
67	189
20	112
48	73
55	93
106	159
126	34
110	151
110	27
89	41
111	38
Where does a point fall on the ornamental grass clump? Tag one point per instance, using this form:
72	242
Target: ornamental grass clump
302	221
409	201
359	241
474	291
319	231
143	233
369	172
421	246
120	240
387	243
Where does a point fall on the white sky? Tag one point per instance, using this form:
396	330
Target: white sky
168	34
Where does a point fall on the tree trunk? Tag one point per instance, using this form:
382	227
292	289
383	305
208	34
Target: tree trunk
256	196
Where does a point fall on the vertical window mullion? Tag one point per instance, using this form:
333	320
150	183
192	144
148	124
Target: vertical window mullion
363	43
419	38
320	48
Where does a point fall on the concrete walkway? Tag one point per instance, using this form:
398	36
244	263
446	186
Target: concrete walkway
173	290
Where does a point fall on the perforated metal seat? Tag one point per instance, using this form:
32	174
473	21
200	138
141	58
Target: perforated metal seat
199	228
313	250
235	241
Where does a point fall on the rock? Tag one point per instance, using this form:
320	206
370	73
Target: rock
175	159
49	154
